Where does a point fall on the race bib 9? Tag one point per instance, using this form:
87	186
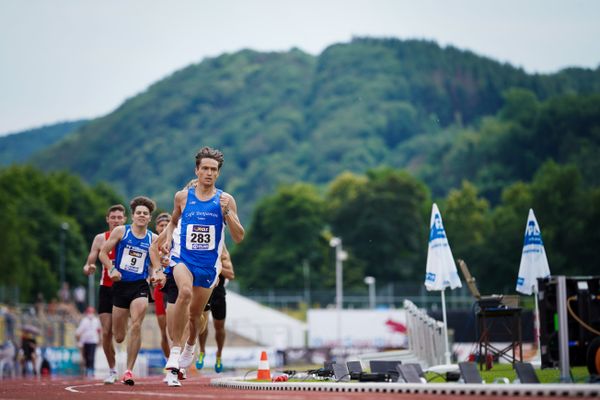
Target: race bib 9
200	237
133	260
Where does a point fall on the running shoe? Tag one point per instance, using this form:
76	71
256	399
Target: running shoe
172	379
218	366
181	374
111	378
200	362
173	361
128	378
187	356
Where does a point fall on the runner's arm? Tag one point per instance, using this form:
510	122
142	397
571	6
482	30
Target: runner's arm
157	276
227	265
229	209
115	236
166	236
90	266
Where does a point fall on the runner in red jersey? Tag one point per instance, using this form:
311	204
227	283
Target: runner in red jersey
115	216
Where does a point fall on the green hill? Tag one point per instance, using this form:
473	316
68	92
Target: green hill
18	147
287	117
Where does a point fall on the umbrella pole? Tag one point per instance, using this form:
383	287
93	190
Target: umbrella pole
536	329
447	352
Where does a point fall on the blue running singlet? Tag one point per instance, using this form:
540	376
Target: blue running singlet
201	238
133	258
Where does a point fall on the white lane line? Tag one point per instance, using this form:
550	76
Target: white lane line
288	396
258	396
73	390
162	394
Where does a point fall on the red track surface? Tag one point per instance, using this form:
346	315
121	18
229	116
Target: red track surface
194	388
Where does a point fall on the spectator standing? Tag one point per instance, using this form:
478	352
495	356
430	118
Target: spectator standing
88	336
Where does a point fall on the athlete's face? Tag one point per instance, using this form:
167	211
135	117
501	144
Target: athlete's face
114	219
161	226
207	172
141	216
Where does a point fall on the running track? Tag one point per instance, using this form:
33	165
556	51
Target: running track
194	388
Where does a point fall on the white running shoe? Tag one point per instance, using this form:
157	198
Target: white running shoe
187	356
111	378
173	361
172	379
182	375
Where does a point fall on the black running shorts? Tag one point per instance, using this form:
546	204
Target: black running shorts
125	292
170	289
218	305
105	299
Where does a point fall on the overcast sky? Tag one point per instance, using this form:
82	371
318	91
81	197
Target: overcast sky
70	59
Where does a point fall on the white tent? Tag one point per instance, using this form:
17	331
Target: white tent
534	265
441	268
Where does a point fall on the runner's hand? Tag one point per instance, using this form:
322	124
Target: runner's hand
158	278
224	201
114	274
89	269
165	258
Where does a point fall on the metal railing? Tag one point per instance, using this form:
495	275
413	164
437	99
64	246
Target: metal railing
389	296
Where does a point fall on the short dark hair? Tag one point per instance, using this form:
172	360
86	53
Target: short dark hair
116	207
208	152
142	201
162	217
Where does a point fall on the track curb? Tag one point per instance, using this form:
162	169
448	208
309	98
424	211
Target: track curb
442	389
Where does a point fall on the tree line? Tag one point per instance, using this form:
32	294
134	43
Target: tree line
383	220
382	217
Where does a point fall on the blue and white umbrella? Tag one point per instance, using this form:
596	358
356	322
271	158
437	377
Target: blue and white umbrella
441	269
534	263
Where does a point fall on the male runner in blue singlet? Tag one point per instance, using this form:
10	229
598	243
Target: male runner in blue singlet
129	274
204	211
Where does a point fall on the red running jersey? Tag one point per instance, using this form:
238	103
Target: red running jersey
104	277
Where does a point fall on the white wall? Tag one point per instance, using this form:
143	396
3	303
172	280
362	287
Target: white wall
358	328
262	324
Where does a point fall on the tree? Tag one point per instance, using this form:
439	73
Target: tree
34	205
466	221
286	231
382	223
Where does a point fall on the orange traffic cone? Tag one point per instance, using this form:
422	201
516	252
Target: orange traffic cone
264	373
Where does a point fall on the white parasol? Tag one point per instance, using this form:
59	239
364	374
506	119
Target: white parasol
441	269
534	265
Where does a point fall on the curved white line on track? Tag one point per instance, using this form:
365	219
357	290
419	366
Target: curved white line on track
73	390
249	396
163	394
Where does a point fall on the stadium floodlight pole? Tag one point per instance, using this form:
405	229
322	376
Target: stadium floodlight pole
370	281
64	227
306	273
340	256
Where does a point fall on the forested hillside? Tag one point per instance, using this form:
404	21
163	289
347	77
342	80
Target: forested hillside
357	143
287	117
18	147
